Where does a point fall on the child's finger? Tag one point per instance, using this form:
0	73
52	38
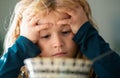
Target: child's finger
42	27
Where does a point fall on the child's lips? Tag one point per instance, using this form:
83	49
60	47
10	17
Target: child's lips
60	54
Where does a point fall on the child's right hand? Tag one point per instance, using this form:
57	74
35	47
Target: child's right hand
29	26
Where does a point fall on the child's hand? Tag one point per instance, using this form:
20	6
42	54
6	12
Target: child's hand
77	18
30	28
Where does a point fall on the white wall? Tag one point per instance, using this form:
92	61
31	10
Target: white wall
6	8
106	14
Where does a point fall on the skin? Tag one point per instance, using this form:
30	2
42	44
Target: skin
54	32
78	18
56	41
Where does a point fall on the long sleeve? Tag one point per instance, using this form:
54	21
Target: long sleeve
12	61
93	46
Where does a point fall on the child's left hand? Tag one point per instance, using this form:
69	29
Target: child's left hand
77	18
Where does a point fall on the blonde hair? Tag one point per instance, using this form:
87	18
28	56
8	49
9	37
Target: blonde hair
41	5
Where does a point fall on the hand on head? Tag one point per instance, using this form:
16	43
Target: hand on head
77	18
30	27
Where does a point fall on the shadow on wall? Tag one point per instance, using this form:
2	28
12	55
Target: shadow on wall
107	17
115	22
1	47
6	9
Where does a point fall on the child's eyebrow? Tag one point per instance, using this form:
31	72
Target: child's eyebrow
67	16
45	24
64	25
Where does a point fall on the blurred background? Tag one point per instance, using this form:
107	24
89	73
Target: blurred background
106	14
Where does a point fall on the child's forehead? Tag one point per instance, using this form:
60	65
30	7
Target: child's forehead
54	17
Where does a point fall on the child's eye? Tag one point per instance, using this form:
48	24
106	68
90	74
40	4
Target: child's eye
66	32
45	36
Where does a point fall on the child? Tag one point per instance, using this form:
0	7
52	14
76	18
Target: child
56	28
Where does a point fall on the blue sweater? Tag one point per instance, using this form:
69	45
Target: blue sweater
106	62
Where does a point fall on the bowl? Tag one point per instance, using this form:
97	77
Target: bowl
57	67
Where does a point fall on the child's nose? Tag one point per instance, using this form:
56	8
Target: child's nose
58	42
